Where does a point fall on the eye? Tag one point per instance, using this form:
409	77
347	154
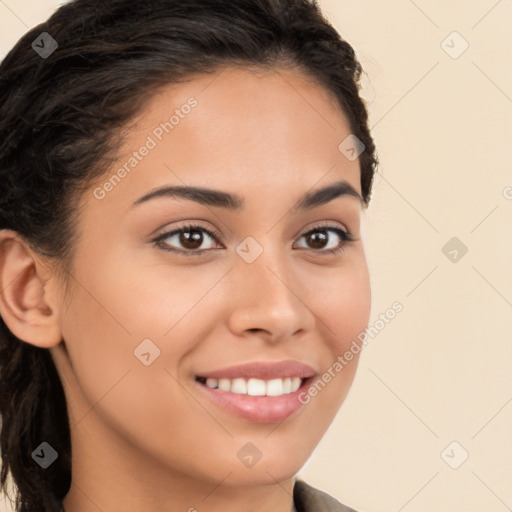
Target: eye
321	239
191	238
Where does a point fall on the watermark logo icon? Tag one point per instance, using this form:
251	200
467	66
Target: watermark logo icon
44	45
454	455
249	455
454	249
146	352
351	147
249	249
45	455
454	45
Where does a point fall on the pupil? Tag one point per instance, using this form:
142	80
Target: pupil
192	237
319	236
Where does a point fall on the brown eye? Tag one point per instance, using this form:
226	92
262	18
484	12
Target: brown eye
321	239
188	240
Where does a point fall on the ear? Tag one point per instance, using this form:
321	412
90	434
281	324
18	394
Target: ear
28	304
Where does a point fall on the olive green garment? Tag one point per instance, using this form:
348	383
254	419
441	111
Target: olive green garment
309	499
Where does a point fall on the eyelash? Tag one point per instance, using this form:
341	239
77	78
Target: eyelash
347	238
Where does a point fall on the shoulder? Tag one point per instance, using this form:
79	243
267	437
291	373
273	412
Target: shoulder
308	499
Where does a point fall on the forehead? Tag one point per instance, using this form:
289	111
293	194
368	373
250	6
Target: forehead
235	129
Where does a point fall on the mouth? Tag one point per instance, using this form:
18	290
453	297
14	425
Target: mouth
258	392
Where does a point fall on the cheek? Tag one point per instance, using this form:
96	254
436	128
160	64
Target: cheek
344	305
344	311
102	329
153	295
124	303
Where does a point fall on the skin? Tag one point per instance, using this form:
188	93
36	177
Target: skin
143	437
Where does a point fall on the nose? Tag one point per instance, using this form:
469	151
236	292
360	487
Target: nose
267	299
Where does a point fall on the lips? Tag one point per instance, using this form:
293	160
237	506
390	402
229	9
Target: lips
271	394
257	409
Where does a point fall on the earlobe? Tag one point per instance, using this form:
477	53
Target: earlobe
26	306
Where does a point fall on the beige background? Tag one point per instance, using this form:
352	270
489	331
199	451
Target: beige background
440	371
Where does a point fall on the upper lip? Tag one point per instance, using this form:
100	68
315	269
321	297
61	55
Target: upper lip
262	370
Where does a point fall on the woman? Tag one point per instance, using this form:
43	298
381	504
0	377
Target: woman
180	253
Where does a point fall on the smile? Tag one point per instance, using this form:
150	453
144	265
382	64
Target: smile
254	387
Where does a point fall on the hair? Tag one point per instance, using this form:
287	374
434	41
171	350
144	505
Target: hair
61	124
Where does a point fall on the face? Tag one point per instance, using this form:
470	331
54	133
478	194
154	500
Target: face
265	278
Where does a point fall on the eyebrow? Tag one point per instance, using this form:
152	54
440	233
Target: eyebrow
230	201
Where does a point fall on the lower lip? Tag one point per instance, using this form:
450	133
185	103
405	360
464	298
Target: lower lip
259	409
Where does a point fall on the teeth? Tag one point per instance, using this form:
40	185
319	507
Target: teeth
211	383
239	386
225	384
275	387
256	387
296	381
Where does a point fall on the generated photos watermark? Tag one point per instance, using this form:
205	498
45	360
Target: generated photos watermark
343	360
152	141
